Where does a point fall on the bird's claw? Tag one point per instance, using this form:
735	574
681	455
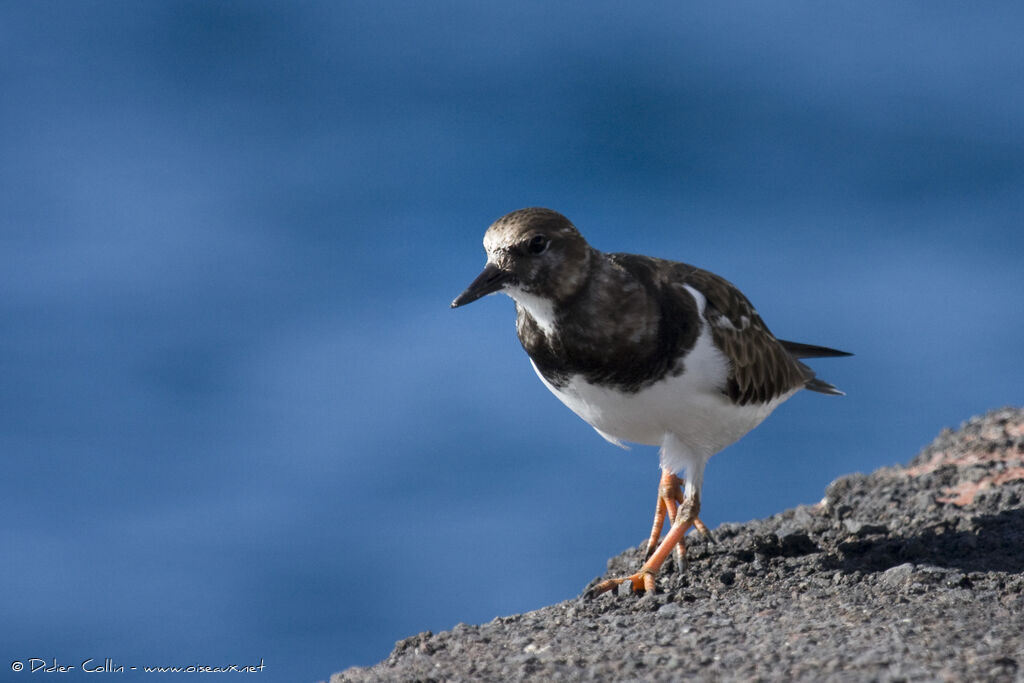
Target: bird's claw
704	531
642	581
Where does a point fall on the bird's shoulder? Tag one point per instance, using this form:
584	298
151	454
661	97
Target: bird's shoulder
627	328
761	368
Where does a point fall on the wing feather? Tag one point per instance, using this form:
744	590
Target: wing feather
760	366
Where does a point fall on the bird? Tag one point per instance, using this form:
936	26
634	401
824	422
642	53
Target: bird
645	350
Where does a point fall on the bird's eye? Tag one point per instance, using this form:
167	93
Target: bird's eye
537	244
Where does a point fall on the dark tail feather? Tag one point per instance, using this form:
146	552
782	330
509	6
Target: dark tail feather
823	387
798	350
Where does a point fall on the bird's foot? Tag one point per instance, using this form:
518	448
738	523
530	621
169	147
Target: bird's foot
643	580
704	531
685	518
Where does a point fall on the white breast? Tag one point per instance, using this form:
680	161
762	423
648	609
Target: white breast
691	407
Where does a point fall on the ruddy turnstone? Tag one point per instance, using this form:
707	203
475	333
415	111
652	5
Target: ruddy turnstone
645	350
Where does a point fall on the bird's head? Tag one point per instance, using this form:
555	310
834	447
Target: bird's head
531	253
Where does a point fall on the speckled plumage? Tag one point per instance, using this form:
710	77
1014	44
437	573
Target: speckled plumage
644	349
627	321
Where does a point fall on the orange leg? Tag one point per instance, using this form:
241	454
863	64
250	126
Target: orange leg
686	517
670	495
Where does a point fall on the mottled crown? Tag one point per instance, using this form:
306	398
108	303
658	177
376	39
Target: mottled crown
514	228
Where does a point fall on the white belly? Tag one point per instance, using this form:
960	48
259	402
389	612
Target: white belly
691	407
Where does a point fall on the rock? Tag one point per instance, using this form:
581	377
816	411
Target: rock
881	582
669	610
859	527
899	575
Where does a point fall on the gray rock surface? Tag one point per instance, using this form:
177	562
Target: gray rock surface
911	573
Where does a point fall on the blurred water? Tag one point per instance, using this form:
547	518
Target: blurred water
237	419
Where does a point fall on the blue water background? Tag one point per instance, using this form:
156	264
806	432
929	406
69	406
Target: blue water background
238	420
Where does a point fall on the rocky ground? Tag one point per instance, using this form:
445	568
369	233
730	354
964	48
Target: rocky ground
911	573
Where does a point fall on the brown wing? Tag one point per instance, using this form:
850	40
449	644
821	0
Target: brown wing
760	367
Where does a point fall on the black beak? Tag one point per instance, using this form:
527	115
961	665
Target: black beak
489	281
